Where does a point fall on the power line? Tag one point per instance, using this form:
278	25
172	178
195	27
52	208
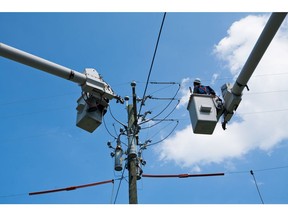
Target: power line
150	70
259	170
122	177
161	176
37	99
13	195
264	111
273	168
108	129
34	112
70	188
166	136
252	173
171	100
183	175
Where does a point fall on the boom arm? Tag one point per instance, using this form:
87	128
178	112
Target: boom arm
96	94
90	81
233	95
41	64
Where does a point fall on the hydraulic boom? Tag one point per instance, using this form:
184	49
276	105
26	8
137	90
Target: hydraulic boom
233	94
96	93
41	64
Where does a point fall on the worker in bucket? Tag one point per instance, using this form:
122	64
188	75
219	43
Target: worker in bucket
201	89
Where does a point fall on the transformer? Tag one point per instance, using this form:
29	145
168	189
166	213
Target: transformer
118	159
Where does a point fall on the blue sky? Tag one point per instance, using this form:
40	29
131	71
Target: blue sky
42	149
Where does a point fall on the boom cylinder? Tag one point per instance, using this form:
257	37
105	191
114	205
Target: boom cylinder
41	64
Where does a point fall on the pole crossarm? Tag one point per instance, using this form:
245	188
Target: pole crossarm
182	175
71	188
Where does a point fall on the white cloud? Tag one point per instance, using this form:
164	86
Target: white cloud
234	48
215	76
184	93
260	127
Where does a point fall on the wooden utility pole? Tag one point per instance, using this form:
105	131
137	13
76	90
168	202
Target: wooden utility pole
132	148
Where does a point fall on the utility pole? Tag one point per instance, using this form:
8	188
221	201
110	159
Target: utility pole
132	147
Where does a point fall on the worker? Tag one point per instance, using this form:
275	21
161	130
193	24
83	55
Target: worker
201	89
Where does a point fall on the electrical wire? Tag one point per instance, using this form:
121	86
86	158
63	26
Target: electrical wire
173	98
13	195
70	188
252	173
108	129
152	63
37	99
115	138
157	133
183	175
273	168
116	119
171	176
122	177
259	170
169	84
264	111
112	194
121	84
165	137
35	112
161	120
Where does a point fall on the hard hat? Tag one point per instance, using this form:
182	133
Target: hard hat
197	80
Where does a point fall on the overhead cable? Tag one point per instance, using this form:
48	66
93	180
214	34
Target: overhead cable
150	70
122	177
70	188
183	175
172	99
252	173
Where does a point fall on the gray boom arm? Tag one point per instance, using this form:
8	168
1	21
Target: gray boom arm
233	95
41	64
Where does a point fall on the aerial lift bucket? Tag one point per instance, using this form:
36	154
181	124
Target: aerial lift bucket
86	120
203	113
